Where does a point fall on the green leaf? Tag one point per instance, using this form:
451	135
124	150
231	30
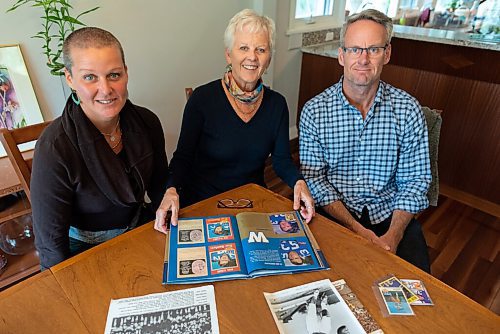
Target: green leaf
14	7
65	3
72	20
57	72
88	11
57	22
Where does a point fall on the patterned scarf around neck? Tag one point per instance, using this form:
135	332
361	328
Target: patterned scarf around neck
236	91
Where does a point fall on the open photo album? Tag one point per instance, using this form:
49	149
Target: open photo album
247	245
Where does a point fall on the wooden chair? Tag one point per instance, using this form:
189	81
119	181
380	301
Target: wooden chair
188	92
10	140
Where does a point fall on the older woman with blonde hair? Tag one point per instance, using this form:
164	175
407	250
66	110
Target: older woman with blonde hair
231	125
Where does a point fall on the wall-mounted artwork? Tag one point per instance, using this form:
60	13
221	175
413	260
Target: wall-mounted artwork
18	104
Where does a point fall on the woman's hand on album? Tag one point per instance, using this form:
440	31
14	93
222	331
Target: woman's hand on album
169	207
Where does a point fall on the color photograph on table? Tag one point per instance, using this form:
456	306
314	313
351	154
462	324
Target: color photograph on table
18	103
395	301
394	282
418	288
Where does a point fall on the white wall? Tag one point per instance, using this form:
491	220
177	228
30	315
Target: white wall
287	64
288	61
169	45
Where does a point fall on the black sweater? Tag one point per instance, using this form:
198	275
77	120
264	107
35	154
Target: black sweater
96	194
217	151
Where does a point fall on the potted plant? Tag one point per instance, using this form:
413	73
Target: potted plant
57	23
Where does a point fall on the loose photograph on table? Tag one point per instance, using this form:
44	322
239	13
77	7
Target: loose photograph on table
418	288
357	308
190	311
18	103
394	282
395	301
312	308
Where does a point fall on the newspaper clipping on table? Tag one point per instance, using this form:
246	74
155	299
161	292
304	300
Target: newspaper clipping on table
189	311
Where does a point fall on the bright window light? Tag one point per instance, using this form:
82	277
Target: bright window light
312	8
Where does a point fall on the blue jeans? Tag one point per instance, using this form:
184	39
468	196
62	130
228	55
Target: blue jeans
80	240
76	246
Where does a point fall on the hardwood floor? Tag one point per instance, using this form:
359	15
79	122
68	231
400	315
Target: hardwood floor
464	243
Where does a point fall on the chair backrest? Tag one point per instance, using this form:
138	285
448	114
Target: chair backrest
434	121
10	140
188	92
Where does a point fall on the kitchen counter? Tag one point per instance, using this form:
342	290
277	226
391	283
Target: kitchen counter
420	34
447	37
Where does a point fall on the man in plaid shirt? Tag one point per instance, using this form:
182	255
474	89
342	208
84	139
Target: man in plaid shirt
364	148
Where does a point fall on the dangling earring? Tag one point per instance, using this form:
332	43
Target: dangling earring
75	97
229	68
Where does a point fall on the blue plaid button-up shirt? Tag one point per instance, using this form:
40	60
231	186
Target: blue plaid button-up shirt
381	162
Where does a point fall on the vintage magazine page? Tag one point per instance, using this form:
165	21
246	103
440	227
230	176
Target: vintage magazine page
315	307
364	317
277	241
189	311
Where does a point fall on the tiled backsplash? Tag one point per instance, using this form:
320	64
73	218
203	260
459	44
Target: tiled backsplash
318	37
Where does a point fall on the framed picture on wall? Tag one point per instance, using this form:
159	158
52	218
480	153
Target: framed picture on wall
18	103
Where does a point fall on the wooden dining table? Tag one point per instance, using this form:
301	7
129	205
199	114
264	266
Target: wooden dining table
38	305
79	290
